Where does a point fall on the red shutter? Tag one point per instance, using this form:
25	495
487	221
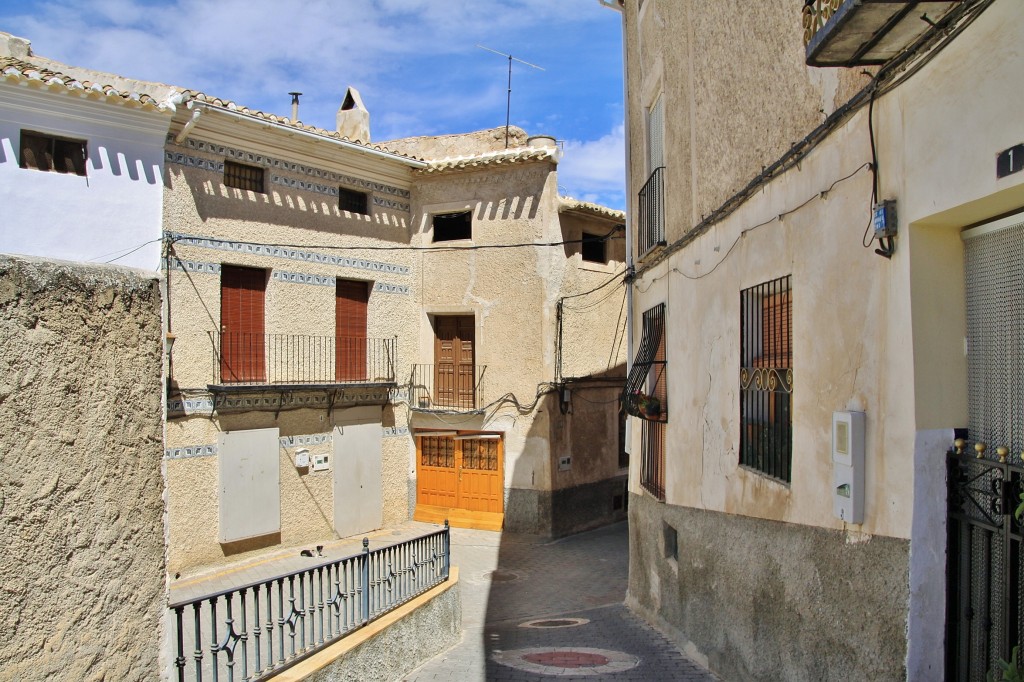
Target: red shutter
242	296
350	304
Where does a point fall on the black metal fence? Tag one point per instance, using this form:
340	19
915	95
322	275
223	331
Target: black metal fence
242	358
260	628
447	387
651	213
985	571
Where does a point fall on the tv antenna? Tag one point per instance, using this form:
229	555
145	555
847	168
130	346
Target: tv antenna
508	100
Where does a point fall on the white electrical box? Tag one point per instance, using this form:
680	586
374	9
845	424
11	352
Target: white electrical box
321	462
848	466
301	458
564	463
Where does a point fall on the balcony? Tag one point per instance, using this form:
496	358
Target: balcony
447	387
242	360
865	32
651	213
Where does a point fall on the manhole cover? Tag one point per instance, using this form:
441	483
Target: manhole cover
574	661
554	623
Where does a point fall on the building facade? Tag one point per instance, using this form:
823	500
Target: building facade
809	269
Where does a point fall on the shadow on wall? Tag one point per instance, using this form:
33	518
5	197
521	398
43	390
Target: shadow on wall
284	207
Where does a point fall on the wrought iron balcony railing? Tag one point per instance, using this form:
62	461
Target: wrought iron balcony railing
651	214
447	387
254	631
292	359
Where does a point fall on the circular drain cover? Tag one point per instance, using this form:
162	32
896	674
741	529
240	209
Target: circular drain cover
502	576
554	623
575	661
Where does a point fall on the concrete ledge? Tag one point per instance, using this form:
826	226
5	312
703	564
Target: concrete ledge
392	645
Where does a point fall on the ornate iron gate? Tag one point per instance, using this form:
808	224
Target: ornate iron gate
985	613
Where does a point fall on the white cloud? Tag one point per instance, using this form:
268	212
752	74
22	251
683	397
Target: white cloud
595	170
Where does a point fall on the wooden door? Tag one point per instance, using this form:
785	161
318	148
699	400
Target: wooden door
242	296
350	305
454	377
460	479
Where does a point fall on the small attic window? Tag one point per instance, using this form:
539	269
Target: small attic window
49	153
353	201
241	176
452	226
592	249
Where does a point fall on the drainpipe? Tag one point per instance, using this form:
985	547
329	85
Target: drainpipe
187	128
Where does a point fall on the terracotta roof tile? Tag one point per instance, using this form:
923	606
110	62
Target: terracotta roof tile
18	71
570	204
504	156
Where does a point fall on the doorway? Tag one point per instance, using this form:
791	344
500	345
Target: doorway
460	478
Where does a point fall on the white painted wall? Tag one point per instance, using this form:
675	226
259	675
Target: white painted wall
114	209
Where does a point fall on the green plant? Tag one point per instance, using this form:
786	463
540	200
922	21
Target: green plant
1019	513
1011	671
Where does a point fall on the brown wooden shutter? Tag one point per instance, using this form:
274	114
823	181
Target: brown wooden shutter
242	309
454	361
350	305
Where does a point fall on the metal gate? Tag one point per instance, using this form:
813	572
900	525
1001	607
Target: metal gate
985	614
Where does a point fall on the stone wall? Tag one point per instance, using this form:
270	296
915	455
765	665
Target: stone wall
81	514
762	600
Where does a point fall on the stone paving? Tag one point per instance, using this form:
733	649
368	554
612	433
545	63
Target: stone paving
536	609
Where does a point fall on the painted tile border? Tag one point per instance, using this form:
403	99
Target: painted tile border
190	451
205	406
286	277
271	162
288	253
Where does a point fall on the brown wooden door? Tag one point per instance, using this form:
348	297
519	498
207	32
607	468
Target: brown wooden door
242	350
454	378
350	330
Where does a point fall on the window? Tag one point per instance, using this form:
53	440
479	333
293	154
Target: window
350	304
352	201
766	378
242	176
451	226
242	341
646	397
593	248
48	153
671	541
651	203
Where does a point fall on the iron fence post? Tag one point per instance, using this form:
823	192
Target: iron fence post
447	548
365	568
179	662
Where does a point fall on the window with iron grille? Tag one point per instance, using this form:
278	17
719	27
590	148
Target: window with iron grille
451	226
646	397
353	201
54	154
592	249
766	378
241	176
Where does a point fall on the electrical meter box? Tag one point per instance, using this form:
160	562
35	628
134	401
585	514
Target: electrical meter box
321	462
848	466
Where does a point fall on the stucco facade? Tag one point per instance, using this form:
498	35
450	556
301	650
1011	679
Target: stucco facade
882	336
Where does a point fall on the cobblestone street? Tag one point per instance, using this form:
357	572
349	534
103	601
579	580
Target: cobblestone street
534	609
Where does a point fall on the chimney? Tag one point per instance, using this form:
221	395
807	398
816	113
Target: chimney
295	105
353	118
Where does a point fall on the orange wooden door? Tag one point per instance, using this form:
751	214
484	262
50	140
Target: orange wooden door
350	304
479	463
242	296
437	479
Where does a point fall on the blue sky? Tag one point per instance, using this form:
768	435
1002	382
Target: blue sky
415	62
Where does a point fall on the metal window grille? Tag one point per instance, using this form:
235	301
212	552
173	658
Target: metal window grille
766	378
352	201
651	213
646	392
652	464
241	176
49	153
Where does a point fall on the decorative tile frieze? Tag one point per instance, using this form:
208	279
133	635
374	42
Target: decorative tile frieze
195	266
312	439
288	253
395	431
385	288
206	406
332	191
191	451
301	278
280	165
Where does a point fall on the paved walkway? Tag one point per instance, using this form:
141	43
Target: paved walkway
535	609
